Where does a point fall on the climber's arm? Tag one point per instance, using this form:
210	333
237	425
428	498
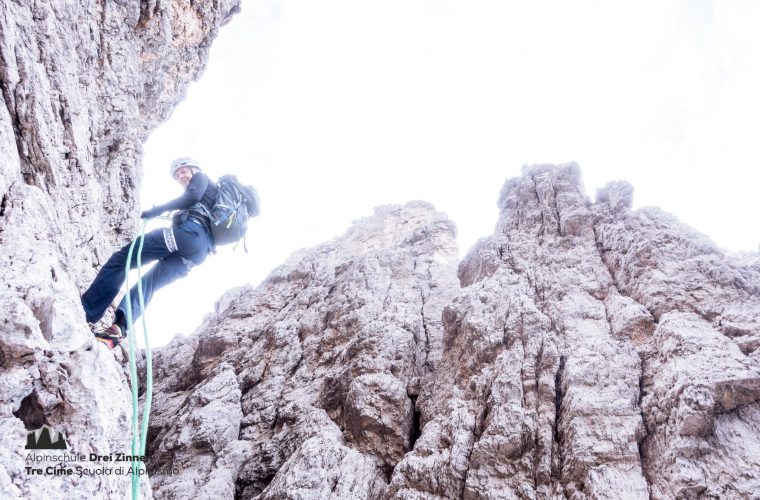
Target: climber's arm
192	195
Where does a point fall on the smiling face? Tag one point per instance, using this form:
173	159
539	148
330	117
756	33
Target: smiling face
183	176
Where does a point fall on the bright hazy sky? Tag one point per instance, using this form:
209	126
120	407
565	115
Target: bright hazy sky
331	108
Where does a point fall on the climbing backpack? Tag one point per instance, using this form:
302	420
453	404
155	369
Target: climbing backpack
234	204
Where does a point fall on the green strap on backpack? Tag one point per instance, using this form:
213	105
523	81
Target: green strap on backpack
235	203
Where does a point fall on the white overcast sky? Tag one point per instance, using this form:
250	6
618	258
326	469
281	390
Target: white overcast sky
331	108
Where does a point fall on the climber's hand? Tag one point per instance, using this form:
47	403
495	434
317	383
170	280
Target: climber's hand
153	212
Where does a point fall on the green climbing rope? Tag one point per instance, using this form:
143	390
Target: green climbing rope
138	440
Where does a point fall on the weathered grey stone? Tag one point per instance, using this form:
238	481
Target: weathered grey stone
533	360
617	195
82	84
326	354
697	374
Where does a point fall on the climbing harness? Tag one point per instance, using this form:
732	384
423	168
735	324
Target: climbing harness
138	442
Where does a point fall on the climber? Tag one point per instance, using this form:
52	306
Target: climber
178	249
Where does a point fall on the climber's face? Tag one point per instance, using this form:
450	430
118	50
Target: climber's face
183	176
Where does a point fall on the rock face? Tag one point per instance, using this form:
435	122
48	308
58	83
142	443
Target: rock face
306	386
585	351
83	82
593	352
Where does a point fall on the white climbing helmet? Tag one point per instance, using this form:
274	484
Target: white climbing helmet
183	162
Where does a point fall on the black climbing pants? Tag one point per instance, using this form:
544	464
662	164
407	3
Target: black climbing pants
177	250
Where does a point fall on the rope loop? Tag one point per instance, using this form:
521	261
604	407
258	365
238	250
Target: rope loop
138	439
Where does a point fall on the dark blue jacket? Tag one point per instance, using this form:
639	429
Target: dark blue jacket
200	191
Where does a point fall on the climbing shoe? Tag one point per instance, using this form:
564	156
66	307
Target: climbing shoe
111	336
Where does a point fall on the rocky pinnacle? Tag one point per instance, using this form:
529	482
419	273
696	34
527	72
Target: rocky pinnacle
585	350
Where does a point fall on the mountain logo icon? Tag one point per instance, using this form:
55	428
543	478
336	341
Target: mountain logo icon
45	438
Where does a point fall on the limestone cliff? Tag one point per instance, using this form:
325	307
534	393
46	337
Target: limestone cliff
306	386
83	83
591	351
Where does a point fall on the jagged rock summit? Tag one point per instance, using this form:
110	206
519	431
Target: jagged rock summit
305	386
586	350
